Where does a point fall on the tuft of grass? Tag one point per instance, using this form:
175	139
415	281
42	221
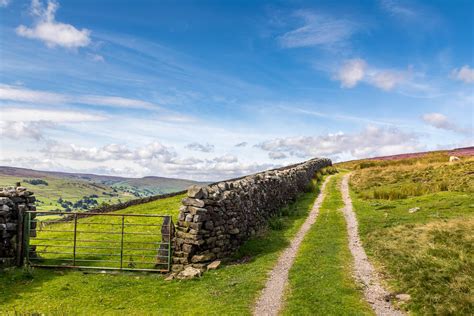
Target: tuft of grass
321	277
276	223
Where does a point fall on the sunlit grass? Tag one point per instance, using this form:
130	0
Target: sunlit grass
425	252
320	281
230	290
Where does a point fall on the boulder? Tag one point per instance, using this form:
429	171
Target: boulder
213	265
403	297
189	273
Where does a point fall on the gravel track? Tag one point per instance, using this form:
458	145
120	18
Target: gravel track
364	272
270	301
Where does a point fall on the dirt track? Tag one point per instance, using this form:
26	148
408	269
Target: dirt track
270	301
374	293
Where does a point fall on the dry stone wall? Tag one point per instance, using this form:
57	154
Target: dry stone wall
14	202
216	219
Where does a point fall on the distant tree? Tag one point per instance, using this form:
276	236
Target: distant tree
35	181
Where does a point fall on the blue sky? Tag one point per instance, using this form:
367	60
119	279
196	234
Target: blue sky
215	89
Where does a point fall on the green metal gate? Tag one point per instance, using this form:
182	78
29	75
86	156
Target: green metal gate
105	241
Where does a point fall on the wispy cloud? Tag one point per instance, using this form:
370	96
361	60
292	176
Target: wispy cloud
357	70
21	94
24	129
59	116
205	148
242	144
465	73
341	117
16	123
51	32
318	30
396	8
352	72
4	3
441	121
96	57
114	101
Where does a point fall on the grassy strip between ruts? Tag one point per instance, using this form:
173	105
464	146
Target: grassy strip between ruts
320	281
231	290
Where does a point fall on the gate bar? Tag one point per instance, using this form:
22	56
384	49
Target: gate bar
121	243
75	239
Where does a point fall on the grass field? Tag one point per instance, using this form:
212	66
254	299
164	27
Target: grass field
80	192
321	277
426	252
230	290
97	234
68	189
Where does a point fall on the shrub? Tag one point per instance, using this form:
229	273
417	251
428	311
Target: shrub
35	181
276	223
310	187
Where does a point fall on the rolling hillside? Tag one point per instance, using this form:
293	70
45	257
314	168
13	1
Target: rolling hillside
76	191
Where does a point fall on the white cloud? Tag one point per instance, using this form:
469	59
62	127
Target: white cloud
465	74
242	144
397	9
4	3
357	70
226	159
19	129
51	32
277	155
441	121
352	72
205	148
151	159
21	94
17	93
96	57
386	80
318	30
116	102
58	116
372	141
16	123
154	150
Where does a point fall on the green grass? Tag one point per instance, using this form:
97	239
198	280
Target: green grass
137	250
413	179
230	290
320	281
428	253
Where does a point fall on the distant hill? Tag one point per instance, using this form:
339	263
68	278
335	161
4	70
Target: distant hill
465	151
80	191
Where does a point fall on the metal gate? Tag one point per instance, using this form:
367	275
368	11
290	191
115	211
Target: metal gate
105	241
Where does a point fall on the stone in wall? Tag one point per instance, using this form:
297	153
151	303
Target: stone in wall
215	220
14	202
